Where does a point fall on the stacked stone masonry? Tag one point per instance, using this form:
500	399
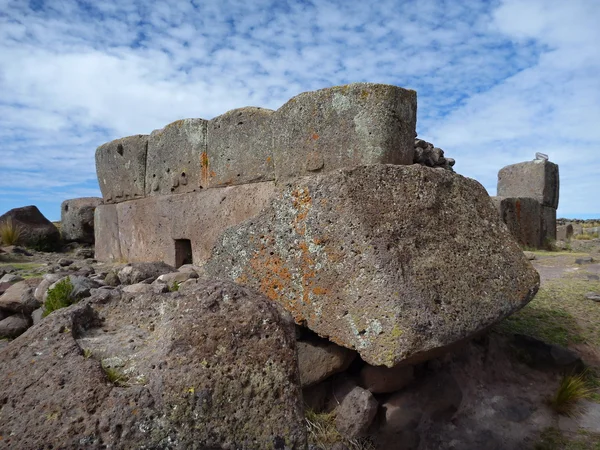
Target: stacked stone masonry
527	200
244	153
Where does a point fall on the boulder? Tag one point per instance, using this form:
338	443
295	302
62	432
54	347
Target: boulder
215	368
240	148
121	168
41	291
137	272
397	262
548	225
36	231
356	413
177	160
344	126
318	360
77	219
537	179
20	298
14	326
381	379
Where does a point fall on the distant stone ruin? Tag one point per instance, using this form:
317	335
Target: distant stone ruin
527	200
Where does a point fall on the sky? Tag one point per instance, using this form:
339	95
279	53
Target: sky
497	81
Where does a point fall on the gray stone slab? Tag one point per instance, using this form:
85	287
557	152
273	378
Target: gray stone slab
146	229
121	168
548	224
106	234
177	160
523	217
240	147
77	219
344	126
538	179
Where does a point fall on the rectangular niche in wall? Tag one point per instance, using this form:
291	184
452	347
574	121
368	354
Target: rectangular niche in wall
183	252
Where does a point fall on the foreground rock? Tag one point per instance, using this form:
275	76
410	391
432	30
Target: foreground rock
396	262
214	367
36	231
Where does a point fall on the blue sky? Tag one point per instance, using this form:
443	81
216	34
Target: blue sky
497	81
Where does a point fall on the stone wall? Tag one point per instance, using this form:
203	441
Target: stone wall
193	178
527	201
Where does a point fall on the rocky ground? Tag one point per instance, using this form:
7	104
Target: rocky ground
492	392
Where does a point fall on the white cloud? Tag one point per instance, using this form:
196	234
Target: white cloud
496	82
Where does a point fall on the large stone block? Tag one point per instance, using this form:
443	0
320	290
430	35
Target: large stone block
536	179
77	219
344	126
523	217
107	245
177	160
210	367
548	224
159	228
240	147
121	168
397	262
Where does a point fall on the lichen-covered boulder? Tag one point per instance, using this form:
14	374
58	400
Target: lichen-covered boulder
212	367
397	262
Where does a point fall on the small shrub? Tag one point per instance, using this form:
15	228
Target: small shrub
174	287
115	376
59	296
10	232
572	388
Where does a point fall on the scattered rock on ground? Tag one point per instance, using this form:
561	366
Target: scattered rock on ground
318	360
356	413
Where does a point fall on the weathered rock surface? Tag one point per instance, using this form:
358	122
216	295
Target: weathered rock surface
344	126
378	379
319	360
396	262
121	168
137	272
214	368
36	231
177	158
355	414
149	229
523	217
537	179
13	326
20	298
240	148
77	219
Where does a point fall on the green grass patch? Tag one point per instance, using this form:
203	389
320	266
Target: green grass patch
559	314
59	296
115	376
22	266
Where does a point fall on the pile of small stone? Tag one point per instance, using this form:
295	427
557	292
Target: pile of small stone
428	155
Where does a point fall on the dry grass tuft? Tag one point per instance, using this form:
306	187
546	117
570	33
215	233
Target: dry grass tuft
323	434
10	232
572	388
